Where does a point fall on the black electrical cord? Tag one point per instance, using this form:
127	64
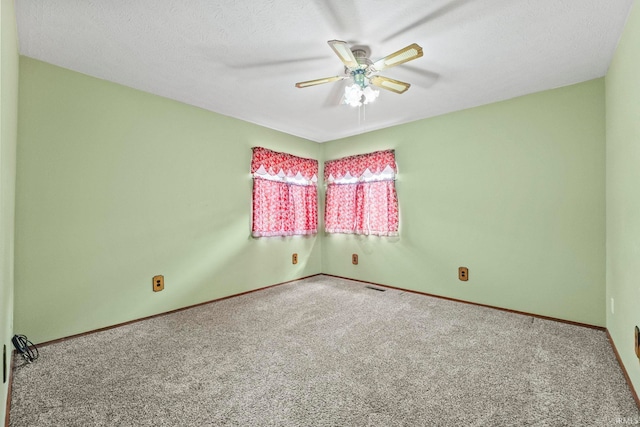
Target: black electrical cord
26	348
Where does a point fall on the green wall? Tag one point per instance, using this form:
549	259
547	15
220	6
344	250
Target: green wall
513	190
623	197
115	186
8	138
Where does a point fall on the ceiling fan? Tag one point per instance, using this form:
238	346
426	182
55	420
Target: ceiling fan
364	72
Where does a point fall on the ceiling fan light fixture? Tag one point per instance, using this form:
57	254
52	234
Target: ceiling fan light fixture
370	95
355	95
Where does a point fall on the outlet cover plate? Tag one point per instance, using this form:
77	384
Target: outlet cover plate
158	283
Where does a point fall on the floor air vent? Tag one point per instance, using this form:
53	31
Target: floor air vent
374	288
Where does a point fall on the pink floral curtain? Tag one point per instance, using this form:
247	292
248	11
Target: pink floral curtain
361	166
361	195
285	196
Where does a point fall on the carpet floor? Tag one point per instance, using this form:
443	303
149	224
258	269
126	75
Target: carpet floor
328	352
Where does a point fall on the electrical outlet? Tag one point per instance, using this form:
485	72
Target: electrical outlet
158	283
294	259
354	259
613	308
463	274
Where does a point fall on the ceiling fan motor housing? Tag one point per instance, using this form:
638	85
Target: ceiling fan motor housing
361	55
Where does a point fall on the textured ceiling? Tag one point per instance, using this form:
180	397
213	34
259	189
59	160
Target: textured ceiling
241	59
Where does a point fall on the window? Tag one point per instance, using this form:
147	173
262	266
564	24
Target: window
285	195
361	194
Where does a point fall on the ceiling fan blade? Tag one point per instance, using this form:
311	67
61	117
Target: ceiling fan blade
344	53
441	11
389	84
271	64
319	81
409	53
335	95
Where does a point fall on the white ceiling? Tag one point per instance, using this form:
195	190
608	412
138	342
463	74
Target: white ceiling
242	58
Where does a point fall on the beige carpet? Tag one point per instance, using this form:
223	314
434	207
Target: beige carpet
328	352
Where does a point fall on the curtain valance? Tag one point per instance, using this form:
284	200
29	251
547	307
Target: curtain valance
377	166
283	167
